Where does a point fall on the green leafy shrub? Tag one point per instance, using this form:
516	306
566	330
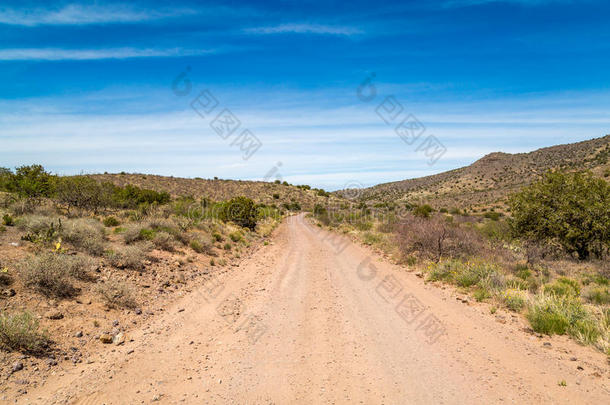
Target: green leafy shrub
83	192
217	237
32	182
423	211
494	216
239	210
8	220
111	222
570	208
20	332
473	273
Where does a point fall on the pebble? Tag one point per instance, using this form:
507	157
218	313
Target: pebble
17	366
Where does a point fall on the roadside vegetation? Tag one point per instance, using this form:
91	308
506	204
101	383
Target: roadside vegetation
75	239
545	257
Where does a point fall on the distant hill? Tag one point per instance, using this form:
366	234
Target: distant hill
487	182
218	190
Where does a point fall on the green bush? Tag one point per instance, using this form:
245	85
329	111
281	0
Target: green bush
20	332
111	221
572	209
235	236
239	210
473	274
8	220
423	211
217	237
494	216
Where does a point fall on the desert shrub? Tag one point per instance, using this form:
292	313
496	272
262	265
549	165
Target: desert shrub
598	295
570	208
494	216
132	197
363	226
423	211
201	245
8	220
111	221
371	238
50	273
445	271
276	196
514	300
563	286
217	237
239	210
116	294
434	238
164	241
292	206
20	332
134	232
83	192
227	246
235	236
84	234
496	231
555	314
39	228
130	257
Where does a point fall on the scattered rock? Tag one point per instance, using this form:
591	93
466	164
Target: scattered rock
579	368
14	244
106	338
119	339
51	362
181	310
78	334
115	323
138	311
547	344
17	366
573	359
10	292
55	315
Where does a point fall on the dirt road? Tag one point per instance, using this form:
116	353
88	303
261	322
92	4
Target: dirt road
308	320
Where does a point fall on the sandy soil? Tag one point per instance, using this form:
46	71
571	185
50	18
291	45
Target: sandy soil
315	319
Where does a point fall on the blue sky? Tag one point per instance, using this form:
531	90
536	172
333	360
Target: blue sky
87	86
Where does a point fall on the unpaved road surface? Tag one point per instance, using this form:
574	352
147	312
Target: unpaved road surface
308	320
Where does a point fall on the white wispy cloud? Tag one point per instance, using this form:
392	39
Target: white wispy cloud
294	28
57	54
78	14
462	3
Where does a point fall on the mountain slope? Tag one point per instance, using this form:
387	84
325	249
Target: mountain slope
488	181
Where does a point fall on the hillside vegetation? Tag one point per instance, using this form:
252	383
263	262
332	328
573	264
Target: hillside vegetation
486	183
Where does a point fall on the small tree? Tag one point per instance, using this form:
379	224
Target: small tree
32	181
572	209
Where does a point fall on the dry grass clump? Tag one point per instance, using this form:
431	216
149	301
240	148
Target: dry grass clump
201	245
130	257
117	294
20	332
51	273
85	234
